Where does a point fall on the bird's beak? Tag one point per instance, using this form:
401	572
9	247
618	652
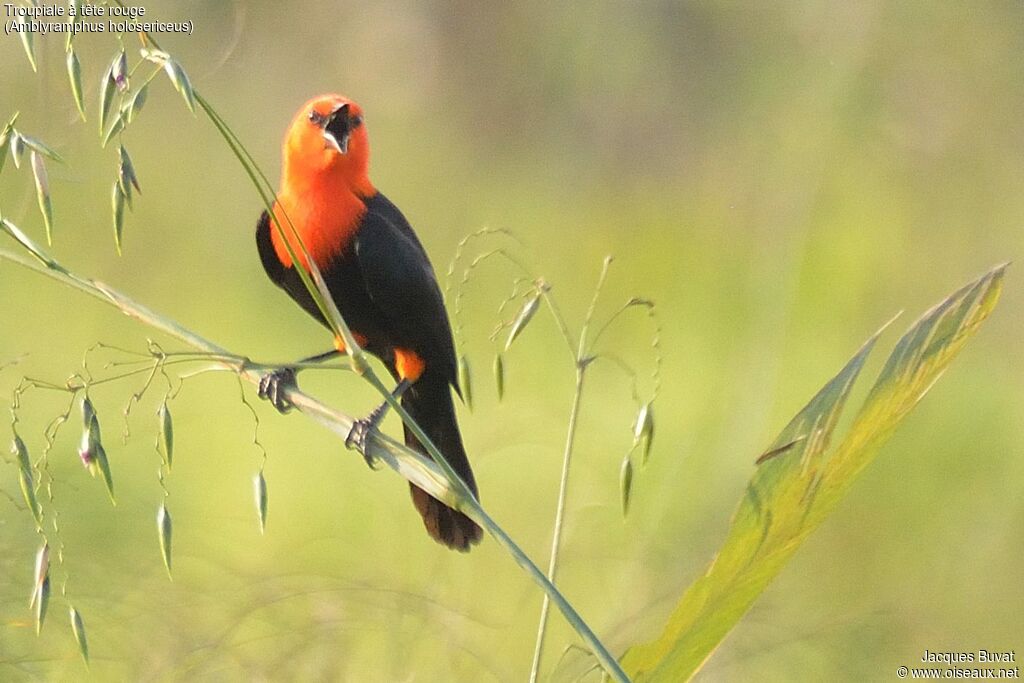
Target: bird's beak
337	130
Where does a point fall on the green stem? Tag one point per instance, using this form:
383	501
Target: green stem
556	535
581	362
413	466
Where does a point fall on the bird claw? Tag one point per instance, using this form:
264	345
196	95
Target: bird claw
273	386
359	438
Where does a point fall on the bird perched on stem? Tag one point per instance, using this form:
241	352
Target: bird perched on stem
378	275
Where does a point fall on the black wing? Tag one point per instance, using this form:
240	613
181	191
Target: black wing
401	283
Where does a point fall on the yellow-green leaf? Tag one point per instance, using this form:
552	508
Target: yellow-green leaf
790	495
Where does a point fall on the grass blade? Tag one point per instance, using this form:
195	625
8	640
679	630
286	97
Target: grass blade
791	494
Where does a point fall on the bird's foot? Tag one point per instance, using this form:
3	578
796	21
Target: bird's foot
359	436
273	386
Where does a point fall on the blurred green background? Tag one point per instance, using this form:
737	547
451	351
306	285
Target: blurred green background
780	178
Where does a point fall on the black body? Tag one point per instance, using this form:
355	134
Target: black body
386	290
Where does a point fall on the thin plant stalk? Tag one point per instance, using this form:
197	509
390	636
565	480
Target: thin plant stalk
582	361
413	466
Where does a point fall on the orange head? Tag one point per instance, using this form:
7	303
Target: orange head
327	145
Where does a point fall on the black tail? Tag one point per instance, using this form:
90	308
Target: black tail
429	402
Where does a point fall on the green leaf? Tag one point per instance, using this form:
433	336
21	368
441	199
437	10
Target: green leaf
117	204
28	42
794	491
163	526
43	193
78	628
260	489
181	83
75	78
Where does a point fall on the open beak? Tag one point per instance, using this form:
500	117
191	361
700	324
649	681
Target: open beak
337	129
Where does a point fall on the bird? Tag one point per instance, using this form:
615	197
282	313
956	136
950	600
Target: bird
382	281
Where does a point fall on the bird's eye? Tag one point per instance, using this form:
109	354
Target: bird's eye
356	121
316	118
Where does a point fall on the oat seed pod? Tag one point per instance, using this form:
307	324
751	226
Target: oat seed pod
626	483
260	489
107	89
466	381
181	83
526	314
499	375
42	603
163	525
75	78
643	431
78	628
166	434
